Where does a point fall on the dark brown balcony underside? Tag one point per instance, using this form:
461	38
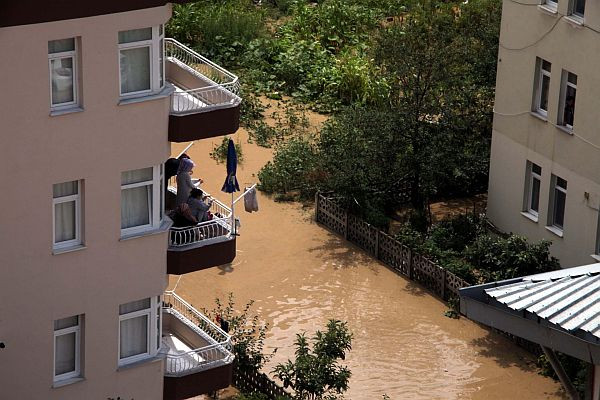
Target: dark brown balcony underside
24	12
212	255
202	125
199	383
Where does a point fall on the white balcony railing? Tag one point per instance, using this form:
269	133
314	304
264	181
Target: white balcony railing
216	87
216	353
216	230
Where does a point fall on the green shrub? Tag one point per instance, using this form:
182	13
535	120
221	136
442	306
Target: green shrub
219	151
458	232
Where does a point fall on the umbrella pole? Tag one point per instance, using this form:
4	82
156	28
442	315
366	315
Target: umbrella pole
233	228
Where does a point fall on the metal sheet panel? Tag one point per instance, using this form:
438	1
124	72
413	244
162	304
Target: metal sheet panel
571	302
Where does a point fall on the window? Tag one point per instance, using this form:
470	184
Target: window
141	61
532	188
569	91
577	8
558	198
62	62
137	322
141	199
552	4
540	101
66	203
67	348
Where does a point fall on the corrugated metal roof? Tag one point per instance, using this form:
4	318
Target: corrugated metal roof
568	299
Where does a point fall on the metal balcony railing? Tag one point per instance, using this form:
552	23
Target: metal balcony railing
216	353
216	87
204	233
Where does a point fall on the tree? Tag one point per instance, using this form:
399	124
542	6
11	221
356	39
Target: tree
315	374
247	333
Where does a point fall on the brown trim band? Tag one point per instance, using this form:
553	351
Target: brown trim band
25	12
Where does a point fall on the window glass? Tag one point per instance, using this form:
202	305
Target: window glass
136	176
61	46
64	361
61	71
66	323
134	306
135	35
135	69
64	189
579	8
65	225
134	336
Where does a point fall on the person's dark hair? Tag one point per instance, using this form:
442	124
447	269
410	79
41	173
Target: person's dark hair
196	193
183	155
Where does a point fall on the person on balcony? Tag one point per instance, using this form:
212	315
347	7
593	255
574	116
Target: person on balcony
184	181
199	205
171	167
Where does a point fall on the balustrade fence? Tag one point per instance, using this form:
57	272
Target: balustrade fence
258	382
387	249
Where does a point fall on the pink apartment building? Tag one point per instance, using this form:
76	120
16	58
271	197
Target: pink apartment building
94	93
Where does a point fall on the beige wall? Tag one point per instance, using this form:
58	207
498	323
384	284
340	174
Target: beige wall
519	136
96	145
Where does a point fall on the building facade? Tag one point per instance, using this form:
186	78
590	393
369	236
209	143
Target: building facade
544	180
94	95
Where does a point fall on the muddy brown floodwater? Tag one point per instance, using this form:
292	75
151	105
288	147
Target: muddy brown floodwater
301	275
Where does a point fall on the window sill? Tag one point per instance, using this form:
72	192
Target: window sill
147	360
548	9
165	92
71	110
595	257
566	130
539	116
574	20
529	216
164	227
69	249
556	230
66	382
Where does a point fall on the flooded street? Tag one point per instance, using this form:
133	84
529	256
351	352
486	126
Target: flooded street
301	275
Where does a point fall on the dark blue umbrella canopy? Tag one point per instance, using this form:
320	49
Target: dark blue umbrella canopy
231	184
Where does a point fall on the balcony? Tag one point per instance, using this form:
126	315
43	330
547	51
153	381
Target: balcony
205	102
204	245
198	358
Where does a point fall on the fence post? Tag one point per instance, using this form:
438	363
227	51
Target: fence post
346	225
410	264
377	243
443	283
317	207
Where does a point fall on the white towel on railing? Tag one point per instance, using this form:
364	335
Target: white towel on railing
251	200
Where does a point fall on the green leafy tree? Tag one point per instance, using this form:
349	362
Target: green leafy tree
315	373
247	332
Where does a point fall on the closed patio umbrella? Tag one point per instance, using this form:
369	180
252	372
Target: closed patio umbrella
231	184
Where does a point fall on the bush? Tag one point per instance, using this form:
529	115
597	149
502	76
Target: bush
504	258
219	151
458	232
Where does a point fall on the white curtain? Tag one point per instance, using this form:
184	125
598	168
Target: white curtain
61	70
135	69
134	336
64	221
65	353
65	212
136	204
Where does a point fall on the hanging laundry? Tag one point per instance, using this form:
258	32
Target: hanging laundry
251	200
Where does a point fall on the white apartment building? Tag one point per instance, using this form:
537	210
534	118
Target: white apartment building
94	93
544	180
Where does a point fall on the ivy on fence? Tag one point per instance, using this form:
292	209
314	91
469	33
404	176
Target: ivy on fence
388	250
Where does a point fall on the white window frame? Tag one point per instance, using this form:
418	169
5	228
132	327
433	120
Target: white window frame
66	331
151	328
531	177
155	198
155	51
65	199
563	101
555	187
551	4
541	73
57	56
